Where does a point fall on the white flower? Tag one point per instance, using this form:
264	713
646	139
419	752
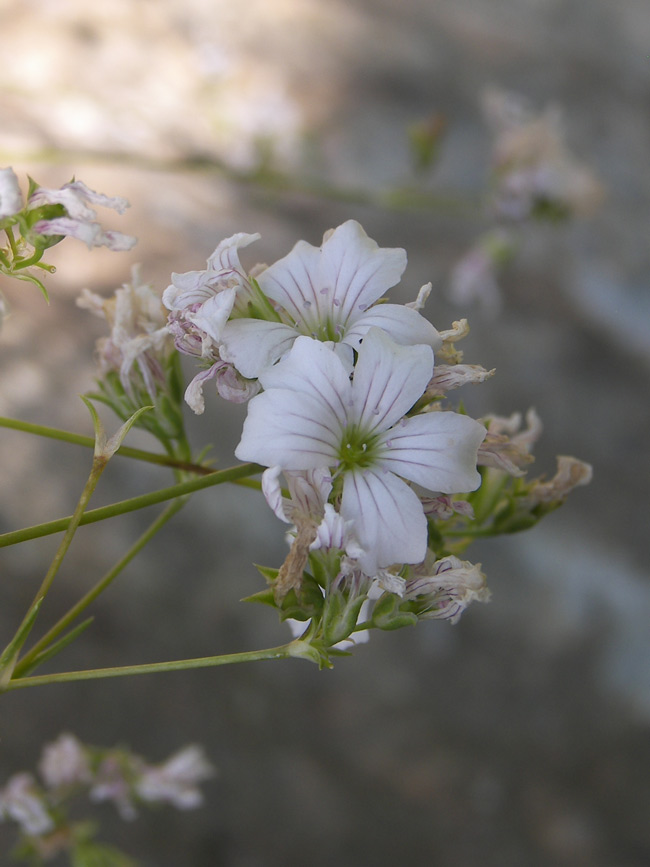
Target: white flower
79	220
11	199
230	384
201	301
22	801
312	416
176	780
328	293
533	167
445	589
64	762
139	337
91	234
113	782
571	473
75	198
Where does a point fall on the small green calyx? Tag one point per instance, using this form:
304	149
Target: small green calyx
357	450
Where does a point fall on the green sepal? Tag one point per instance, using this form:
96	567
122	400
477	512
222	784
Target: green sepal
387	613
305	604
313	652
268	573
264	597
340	616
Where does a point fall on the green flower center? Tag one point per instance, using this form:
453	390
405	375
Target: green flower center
358	449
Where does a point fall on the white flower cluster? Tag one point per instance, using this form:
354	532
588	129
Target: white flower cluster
77	219
344	411
68	767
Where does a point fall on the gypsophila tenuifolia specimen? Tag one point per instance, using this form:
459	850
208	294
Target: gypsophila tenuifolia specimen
379	475
70	772
383	475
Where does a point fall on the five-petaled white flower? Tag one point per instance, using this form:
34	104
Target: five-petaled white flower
328	293
312	415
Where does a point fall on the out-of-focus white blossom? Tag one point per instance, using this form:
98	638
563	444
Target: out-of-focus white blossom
22	800
474	278
533	168
176	780
76	198
64	762
91	234
80	220
113	781
11	198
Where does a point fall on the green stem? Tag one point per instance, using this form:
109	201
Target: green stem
25	663
89	442
218	477
99	464
98	467
274	182
27	262
285	651
12	241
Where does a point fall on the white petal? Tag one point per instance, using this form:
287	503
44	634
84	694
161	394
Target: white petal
194	391
388	519
252	345
436	450
213	313
357	269
292	282
293	430
191	287
313	369
272	490
333	531
225	257
388	379
403	325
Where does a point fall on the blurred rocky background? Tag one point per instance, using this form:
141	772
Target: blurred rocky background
517	737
